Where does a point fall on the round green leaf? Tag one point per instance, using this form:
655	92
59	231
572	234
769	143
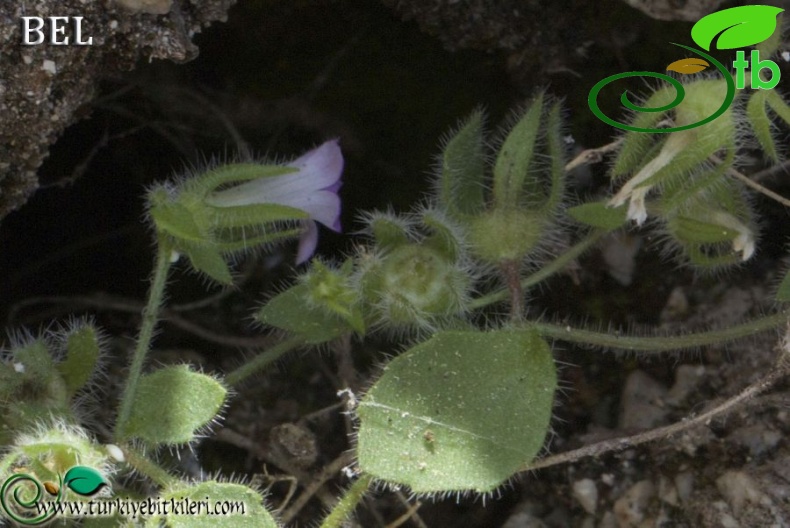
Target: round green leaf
172	403
462	411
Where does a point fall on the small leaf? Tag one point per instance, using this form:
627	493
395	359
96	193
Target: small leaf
443	237
291	311
35	363
515	157
689	65
783	293
757	114
177	221
695	231
208	259
389	231
84	480
598	214
234	173
739	27
82	354
172	403
254	214
462	411
246	504
460	185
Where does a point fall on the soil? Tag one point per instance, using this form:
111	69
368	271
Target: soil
279	77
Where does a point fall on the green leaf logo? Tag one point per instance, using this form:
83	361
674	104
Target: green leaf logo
84	480
737	27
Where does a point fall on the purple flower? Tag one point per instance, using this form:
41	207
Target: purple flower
313	189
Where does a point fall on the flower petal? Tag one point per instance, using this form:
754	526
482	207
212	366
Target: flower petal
307	242
322	166
319	169
323	206
636	207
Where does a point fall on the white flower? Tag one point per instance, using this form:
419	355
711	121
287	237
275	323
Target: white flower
313	189
743	243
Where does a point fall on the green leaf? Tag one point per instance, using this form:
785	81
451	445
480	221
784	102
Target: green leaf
515	157
783	293
247	507
462	411
209	260
739	27
291	311
234	173
84	480
254	215
695	231
757	113
177	221
331	291
35	363
82	355
556	148
598	214
777	104
462	169
771	45
172	403
389	231
443	237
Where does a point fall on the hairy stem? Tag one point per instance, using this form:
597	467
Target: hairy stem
262	360
511	272
627	442
660	343
150	317
147	467
348	503
545	272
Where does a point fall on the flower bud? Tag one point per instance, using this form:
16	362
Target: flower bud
413	285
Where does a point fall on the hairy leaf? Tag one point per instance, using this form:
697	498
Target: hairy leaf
172	403
461	411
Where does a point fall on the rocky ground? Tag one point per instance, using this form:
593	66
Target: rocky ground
281	75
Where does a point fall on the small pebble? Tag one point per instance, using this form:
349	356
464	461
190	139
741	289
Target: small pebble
684	484
687	377
756	438
640	402
49	67
738	488
630	509
586	493
153	7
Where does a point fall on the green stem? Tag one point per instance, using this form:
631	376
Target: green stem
545	272
150	317
660	343
148	467
262	360
348	503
